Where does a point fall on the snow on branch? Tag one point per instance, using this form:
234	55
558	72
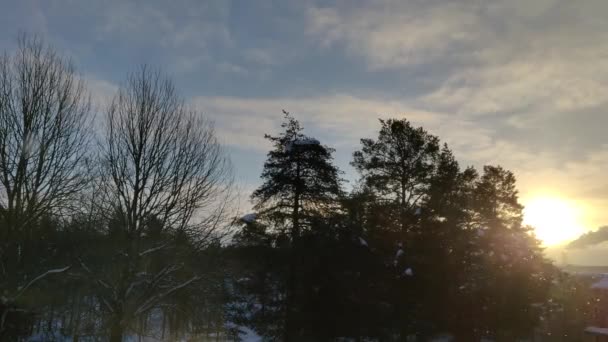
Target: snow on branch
153	249
398	255
362	242
33	281
249	218
306	141
301	142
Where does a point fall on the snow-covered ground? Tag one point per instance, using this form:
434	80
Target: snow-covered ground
249	335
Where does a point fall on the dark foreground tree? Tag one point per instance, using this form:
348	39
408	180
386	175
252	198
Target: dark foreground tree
300	181
449	237
399	171
420	248
44	115
507	275
301	189
399	167
163	179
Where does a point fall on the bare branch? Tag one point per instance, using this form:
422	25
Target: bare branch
44	118
160	159
152	301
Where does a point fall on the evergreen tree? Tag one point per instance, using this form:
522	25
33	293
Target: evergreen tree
398	166
399	169
300	181
300	192
508	271
459	235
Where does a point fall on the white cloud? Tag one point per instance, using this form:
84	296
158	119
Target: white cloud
187	31
190	23
527	85
529	58
129	19
102	91
396	33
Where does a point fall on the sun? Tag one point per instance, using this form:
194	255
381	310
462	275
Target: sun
555	220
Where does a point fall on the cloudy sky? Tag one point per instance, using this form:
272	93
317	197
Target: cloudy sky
517	83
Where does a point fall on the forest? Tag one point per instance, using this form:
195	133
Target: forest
122	226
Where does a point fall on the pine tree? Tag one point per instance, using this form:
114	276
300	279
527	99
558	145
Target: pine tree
301	190
398	166
410	179
300	180
462	237
505	267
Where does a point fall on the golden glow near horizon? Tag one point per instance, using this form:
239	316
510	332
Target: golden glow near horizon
555	220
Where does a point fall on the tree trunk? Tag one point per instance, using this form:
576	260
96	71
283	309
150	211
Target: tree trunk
164	325
291	280
402	205
291	284
116	332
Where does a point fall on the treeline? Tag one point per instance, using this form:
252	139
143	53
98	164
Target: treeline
420	247
122	225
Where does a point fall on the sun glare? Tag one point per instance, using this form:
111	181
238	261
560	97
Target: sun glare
555	220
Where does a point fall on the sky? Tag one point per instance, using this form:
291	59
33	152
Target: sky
518	83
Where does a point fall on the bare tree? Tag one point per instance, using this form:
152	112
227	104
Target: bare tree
44	112
161	159
44	116
161	166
